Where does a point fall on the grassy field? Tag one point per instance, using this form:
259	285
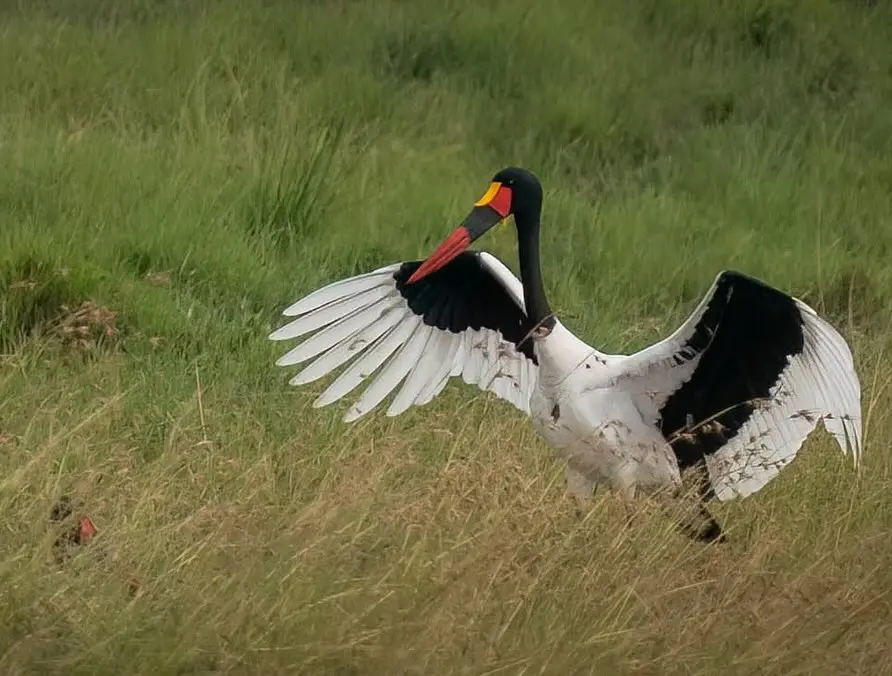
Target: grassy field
175	173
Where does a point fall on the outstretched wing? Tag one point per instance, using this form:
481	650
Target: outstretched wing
742	383
466	319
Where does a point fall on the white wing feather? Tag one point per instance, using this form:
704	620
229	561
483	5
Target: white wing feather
365	319
818	385
337	290
653	374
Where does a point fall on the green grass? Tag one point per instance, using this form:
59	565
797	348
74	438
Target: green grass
194	167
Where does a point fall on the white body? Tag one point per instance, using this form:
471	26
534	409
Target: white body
594	426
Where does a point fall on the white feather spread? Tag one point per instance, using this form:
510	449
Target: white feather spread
366	320
818	385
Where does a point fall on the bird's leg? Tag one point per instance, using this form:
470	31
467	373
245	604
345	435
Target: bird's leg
695	521
627	496
580	487
710	530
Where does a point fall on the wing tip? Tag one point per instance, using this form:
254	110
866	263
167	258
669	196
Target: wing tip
279	334
300	379
322	401
286	360
353	414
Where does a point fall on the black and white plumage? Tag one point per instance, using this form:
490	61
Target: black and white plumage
732	393
460	321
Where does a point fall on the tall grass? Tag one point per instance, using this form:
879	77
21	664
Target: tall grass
175	173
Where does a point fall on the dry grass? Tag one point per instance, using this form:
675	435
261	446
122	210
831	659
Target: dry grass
228	554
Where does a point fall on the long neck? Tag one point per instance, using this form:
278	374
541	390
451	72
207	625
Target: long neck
528	251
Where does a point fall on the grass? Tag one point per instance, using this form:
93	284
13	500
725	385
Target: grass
174	174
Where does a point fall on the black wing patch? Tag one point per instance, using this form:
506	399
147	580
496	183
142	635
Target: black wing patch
746	337
465	295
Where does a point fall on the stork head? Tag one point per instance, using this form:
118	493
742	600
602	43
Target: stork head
512	191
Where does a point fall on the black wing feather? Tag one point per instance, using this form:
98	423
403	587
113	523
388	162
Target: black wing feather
463	295
746	337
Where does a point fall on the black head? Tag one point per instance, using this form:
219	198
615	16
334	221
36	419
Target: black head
512	191
526	190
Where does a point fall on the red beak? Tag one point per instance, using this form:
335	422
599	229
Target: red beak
452	246
488	211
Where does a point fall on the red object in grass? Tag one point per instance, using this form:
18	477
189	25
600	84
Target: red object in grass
87	529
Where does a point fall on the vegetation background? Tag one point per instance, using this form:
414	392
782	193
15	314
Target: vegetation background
175	173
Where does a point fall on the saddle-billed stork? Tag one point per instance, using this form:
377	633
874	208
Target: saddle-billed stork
731	395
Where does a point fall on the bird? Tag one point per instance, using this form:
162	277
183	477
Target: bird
719	407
